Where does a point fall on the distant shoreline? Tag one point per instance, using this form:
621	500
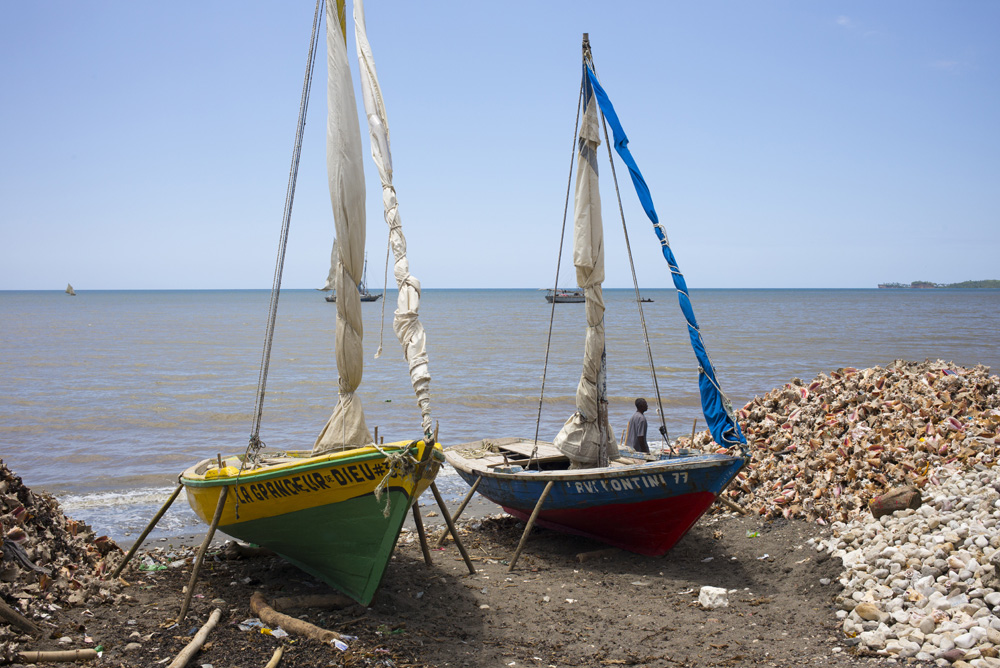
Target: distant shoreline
927	285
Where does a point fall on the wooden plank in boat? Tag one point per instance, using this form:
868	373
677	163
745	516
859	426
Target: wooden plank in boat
525	448
551	459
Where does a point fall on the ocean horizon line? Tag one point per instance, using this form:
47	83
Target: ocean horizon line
494	289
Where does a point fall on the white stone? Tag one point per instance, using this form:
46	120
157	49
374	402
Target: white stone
872	639
711	598
927	625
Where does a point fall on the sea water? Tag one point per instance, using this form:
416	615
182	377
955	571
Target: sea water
107	396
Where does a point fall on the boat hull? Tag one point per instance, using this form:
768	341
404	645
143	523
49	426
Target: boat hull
645	507
319	513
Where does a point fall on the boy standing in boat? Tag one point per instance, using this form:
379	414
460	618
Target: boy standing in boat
635	436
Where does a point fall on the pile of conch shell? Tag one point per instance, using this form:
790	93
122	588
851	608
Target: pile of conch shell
47	560
821	451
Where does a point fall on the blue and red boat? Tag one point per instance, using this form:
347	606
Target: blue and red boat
643	507
580	483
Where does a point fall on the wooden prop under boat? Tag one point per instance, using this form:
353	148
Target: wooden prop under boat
643	507
320	513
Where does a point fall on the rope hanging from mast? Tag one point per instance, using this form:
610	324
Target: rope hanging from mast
555	287
635	283
255	443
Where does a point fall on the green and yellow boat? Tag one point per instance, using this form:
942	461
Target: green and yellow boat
335	511
336	516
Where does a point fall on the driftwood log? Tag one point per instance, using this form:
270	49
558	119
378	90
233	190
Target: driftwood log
196	643
731	505
17	620
270	616
59	656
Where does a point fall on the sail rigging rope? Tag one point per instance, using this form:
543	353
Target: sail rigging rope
385	287
635	280
555	288
635	283
255	444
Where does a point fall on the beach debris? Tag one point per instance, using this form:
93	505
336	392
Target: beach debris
276	657
899	498
293	625
822	450
899	462
47	561
59	656
710	598
192	648
17	620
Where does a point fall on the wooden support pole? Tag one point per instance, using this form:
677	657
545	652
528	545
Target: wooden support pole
732	506
149	527
531	523
18	621
196	643
451	527
421	533
201	554
458	513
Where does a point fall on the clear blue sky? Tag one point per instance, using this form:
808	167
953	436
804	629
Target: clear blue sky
787	144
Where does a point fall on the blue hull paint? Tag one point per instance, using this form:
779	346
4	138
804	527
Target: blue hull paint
645	508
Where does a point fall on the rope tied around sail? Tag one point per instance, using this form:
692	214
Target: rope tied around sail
255	445
401	464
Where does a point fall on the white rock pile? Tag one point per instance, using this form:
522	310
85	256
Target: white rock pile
925	583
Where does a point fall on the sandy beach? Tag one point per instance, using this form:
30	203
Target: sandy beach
810	574
568	602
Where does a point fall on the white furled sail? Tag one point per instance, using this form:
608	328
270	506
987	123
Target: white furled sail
346	428
405	323
331	278
582	439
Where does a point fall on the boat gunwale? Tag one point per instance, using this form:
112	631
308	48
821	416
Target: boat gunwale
702	460
346	457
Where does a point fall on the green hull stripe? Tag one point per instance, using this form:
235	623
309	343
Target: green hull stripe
347	545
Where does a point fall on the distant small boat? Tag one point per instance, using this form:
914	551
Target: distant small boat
563	296
362	290
70	291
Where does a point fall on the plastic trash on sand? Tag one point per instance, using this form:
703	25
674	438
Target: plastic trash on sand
711	598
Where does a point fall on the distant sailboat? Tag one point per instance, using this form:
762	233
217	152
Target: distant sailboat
70	291
366	296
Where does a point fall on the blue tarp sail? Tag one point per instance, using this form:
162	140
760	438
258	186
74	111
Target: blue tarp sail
714	404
